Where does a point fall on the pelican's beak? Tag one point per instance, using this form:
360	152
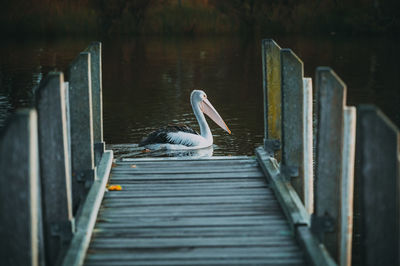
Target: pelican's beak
207	108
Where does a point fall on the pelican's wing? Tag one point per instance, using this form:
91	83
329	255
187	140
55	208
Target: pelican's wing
170	135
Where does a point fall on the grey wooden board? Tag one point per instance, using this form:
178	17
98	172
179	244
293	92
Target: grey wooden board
185	176
96	79
292	115
179	201
186	193
329	150
290	201
189	164
188	161
55	173
172	159
204	231
163	210
173	214
206	261
21	239
81	128
186	166
198	253
377	188
200	185
190	170
226	241
155	184
317	255
248	171
84	228
262	260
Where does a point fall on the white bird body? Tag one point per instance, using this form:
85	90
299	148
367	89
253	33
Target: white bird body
184	137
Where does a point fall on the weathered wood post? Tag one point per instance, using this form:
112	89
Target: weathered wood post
378	188
308	160
97	102
80	105
347	186
333	151
271	60
54	167
294	118
20	219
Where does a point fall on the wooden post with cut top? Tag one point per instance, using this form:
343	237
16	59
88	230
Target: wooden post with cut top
335	158
271	59
55	169
80	107
292	120
20	220
97	102
378	188
308	160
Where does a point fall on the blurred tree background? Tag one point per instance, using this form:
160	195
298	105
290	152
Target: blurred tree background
59	17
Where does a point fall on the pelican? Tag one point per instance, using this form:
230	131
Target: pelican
184	137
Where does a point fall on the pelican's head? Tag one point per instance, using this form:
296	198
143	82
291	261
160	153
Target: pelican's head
199	98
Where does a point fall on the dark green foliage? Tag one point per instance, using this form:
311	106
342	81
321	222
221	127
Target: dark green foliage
45	17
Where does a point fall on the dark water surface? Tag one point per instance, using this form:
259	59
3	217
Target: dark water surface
147	81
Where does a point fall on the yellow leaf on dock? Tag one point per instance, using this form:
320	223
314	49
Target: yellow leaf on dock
114	187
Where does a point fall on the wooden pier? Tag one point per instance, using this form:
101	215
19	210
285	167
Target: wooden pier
192	212
291	204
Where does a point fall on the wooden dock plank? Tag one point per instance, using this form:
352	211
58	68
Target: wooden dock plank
185	176
203	231
161	222
186	192
187	210
202	252
206	261
190	183
133	243
192	212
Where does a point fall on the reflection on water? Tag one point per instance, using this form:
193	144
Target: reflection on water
147	81
153	82
122	151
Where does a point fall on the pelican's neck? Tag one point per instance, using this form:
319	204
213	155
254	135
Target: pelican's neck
205	131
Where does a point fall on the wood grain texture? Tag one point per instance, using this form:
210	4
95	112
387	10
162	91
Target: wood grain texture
21	239
95	49
189	212
55	173
272	79
80	107
347	186
85	225
377	183
292	117
331	103
308	158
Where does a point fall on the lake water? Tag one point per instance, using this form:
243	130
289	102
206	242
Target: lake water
147	81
